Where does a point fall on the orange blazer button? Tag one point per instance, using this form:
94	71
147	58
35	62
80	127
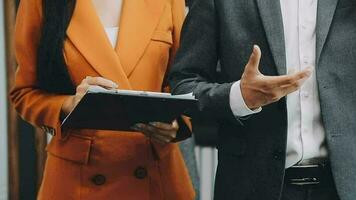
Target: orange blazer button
99	179
141	173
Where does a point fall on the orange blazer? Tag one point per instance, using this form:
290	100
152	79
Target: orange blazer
90	164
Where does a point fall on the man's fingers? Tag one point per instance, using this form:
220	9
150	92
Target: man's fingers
286	80
297	78
304	74
254	60
276	87
100	81
293	87
296	84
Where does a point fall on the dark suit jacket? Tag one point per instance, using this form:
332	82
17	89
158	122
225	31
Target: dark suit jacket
252	151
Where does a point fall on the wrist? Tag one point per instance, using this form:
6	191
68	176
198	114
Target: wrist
250	104
237	102
67	106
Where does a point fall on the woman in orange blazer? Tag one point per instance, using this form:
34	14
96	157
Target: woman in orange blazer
61	49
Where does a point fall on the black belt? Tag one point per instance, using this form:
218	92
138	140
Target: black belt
309	175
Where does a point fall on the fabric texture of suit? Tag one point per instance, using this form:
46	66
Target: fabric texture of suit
90	164
252	151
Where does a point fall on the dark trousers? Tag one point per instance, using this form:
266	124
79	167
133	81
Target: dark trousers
293	192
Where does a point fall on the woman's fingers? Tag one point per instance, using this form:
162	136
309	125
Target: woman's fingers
82	88
100	81
160	139
161	142
165	129
97	81
165	126
162	135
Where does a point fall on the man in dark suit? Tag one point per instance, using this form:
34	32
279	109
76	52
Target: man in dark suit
286	112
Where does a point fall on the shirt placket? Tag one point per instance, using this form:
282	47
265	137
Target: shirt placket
307	59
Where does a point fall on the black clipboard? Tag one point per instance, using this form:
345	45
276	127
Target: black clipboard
119	110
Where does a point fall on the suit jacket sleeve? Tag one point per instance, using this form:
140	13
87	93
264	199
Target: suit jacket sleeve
194	69
178	15
34	105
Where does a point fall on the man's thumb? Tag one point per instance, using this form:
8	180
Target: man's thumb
254	61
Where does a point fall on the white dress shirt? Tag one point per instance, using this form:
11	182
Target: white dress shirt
306	134
112	34
108	11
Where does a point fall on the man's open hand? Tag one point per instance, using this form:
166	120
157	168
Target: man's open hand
259	90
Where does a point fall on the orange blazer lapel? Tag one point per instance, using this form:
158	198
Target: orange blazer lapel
86	32
137	24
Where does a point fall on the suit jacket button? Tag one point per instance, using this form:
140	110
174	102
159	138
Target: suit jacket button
99	179
141	173
277	155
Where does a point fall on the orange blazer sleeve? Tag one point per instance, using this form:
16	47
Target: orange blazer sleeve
34	105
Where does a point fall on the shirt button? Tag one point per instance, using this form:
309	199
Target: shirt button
305	95
141	173
99	179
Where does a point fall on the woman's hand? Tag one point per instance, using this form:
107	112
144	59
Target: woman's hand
72	101
159	132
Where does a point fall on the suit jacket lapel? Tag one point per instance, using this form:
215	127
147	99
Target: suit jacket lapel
137	23
271	16
326	10
88	35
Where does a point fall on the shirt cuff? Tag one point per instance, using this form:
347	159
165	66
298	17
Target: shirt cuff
237	103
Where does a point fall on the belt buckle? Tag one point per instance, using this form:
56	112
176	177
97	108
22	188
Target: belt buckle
304	181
